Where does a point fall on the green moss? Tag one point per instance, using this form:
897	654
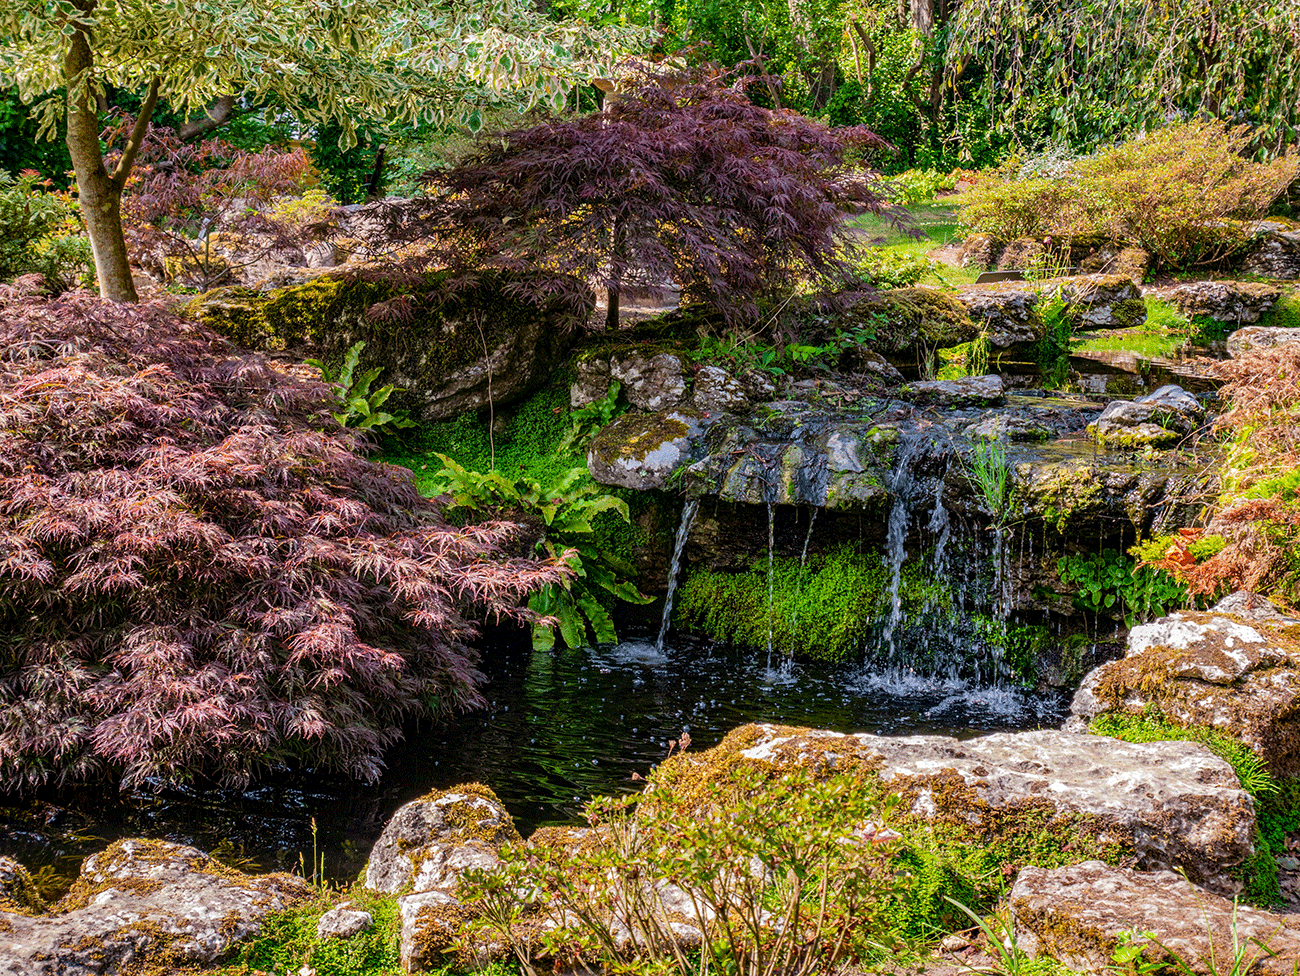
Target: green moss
822	610
1285	314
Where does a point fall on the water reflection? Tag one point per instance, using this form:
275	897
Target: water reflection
559	727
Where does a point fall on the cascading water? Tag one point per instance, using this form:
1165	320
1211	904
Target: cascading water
683	531
901	484
803	564
771	579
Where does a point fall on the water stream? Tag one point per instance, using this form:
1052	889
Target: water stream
683	533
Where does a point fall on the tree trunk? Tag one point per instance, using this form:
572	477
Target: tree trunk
99	193
611	308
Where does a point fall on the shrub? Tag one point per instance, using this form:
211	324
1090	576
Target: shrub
1181	192
196	579
194	211
40	232
684	179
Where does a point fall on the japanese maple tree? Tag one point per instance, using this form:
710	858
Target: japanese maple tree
680	179
198	574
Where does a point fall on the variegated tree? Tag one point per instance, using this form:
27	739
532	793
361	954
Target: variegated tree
340	60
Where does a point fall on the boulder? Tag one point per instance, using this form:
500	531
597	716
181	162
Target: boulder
1238	675
1164	804
1008	317
717	392
1239	302
1078	914
1021	254
1131	262
643	450
421	854
17	892
1253	337
910	323
142	904
1275	252
650	382
979	251
430	841
969	391
343	922
436	358
1159	417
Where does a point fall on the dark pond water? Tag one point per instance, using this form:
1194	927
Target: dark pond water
560	727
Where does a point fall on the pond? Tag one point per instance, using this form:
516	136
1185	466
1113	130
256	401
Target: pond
559	727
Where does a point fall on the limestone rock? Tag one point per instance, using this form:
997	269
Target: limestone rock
430	841
343	922
716	391
1276	251
1173	804
1254	337
431	922
1159	417
1239	676
651	383
1100	301
978	391
142	902
591	384
1077	914
640	450
1007	316
910	323
1225	301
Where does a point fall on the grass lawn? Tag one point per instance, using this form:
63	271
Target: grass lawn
937	221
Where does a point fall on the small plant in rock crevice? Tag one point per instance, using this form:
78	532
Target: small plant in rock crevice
1111	584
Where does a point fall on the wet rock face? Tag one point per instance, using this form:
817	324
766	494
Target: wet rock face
1172	804
1077	914
717	392
1225	301
422	853
1255	337
1237	675
1160	417
140	903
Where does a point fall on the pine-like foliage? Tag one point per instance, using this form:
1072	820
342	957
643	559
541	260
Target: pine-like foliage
198	575
679	180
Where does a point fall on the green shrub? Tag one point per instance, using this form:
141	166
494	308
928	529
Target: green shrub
885	267
914	185
1008	207
40	232
1184	193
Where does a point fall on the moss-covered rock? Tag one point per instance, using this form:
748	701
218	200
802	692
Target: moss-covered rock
1209	669
451	351
910	323
1045	798
1078	915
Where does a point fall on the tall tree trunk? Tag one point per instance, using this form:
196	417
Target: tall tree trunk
98	191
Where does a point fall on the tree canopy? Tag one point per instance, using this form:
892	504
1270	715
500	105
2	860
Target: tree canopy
332	60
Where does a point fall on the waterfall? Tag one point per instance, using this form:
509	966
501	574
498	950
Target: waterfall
901	483
771	578
683	530
803	563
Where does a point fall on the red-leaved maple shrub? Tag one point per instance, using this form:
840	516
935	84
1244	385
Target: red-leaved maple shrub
198	575
682	179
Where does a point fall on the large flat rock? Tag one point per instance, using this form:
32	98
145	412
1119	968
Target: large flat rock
143	904
1170	804
1077	914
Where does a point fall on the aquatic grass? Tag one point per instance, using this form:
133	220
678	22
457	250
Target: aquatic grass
1142	344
